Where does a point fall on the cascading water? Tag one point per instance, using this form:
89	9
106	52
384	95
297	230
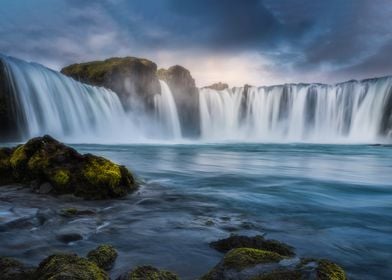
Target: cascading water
51	103
167	112
351	111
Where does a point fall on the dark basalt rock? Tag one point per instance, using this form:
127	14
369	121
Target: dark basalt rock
218	86
11	269
44	160
133	79
148	273
104	256
69	266
255	264
186	97
9	115
255	242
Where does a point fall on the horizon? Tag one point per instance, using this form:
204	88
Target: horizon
268	43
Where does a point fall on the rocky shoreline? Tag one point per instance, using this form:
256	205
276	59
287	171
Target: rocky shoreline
53	168
253	258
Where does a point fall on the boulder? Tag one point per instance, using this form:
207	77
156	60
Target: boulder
218	86
133	79
104	256
44	160
255	242
69	266
148	273
255	264
11	269
186	97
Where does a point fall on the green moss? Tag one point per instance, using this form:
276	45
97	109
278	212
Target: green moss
280	275
150	273
65	266
102	172
38	162
104	256
241	258
18	157
328	270
61	177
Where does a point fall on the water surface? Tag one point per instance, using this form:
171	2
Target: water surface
328	201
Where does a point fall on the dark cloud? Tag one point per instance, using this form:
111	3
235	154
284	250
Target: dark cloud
334	38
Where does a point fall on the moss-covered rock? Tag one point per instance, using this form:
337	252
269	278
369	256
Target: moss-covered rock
241	258
45	160
11	269
328	270
104	256
256	242
148	273
68	266
280	275
5	166
129	77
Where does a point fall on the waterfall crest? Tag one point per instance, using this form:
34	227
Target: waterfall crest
50	103
351	111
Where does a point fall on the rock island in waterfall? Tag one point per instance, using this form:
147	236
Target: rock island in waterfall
214	140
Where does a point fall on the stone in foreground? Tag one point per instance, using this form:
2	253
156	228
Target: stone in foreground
255	242
104	256
52	167
67	266
148	273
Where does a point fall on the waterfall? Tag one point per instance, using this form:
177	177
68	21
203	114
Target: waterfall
347	112
51	103
166	110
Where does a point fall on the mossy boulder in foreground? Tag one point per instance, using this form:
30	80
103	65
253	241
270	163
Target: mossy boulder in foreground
11	269
148	273
56	168
256	242
69	266
104	256
257	258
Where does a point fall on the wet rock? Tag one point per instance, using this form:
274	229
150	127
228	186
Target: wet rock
104	256
45	188
72	212
256	242
254	264
69	237
133	79
11	269
186	97
69	266
218	86
148	273
59	169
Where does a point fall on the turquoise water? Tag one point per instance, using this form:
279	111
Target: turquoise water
328	201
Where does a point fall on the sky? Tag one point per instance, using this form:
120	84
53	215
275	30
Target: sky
257	42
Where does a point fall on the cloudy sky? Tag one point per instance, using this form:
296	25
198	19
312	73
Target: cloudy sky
259	42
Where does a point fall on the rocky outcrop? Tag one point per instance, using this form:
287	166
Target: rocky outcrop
104	256
255	258
218	86
69	266
52	167
148	273
11	269
9	129
186	97
133	79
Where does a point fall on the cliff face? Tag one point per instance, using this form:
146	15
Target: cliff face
8	112
131	78
186	96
